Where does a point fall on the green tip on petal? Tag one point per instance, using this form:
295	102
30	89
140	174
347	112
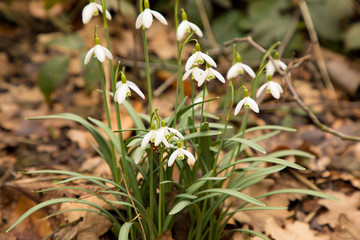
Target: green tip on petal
146	4
269	78
246	92
238	58
197	47
179	144
208	65
123	78
183	14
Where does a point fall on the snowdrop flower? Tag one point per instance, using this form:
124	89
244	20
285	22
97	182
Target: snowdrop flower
186	27
209	74
247	102
195	72
198	58
145	18
271	87
163	135
270	67
93	9
123	90
239	68
179	154
149	137
98	51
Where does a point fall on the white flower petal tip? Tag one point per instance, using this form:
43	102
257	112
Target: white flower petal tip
210	74
246	102
93	9
198	58
186	27
179	154
271	87
271	68
123	91
145	18
99	52
239	68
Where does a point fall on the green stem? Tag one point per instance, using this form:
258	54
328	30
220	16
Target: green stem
161	193
148	80
202	106
152	188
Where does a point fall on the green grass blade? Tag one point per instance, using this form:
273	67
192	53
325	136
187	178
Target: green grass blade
301	191
124	231
247	142
233	193
179	207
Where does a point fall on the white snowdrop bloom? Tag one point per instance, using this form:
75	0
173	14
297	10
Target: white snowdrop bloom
149	137
247	102
179	154
98	51
93	9
270	67
165	135
123	90
209	74
145	18
186	27
239	68
271	87
195	72
198	58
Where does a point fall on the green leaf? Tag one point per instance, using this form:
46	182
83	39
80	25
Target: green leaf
249	143
179	207
71	41
301	191
124	230
138	155
186	195
233	193
51	74
352	40
286	153
201	134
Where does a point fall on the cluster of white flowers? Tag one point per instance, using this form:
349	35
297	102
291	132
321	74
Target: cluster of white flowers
166	135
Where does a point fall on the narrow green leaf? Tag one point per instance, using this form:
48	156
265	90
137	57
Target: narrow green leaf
201	134
124	230
233	193
186	195
249	143
301	191
179	207
286	153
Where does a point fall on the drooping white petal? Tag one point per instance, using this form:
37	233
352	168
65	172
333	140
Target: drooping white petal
87	13
208	59
233	71
173	130
218	75
146	140
159	17
202	78
279	87
190	62
270	69
248	70
282	65
197	72
121	93
274	90
187	74
252	104
88	55
189	155
261	89
172	158
135	88
160	136
147	18
181	30
99	53
107	53
196	29
239	106
139	20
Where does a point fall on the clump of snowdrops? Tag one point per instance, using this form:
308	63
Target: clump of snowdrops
191	140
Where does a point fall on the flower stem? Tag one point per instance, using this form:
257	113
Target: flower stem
161	193
148	80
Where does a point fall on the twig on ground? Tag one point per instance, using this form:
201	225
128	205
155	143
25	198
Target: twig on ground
296	97
317	50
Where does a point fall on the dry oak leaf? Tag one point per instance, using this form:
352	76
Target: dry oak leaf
347	206
292	231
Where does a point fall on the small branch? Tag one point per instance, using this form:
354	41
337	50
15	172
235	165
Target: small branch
296	97
317	50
